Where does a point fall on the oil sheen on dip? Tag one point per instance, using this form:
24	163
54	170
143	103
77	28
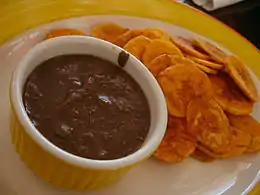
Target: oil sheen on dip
87	106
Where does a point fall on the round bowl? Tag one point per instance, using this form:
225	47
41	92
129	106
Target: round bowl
56	165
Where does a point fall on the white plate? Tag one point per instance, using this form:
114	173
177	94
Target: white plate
230	177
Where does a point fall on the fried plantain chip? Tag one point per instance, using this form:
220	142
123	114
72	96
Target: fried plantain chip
186	61
175	122
188	47
124	38
249	125
208	122
136	46
229	96
206	63
64	32
155	33
181	84
108	31
159	64
245	123
159	47
254	145
177	60
201	156
166	85
177	143
239	143
240	74
209	152
151	33
206	69
215	53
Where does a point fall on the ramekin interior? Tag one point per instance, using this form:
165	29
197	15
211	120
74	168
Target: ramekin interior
92	46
